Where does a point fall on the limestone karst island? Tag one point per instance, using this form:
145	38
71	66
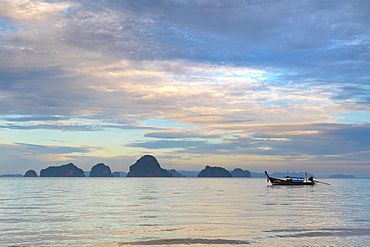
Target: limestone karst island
146	166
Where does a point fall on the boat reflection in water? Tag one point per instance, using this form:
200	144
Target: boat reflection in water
291	180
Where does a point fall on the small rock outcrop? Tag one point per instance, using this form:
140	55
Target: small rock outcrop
240	173
100	170
69	170
30	173
175	173
147	166
214	172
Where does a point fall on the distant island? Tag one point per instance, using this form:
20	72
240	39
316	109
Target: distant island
68	170
30	173
214	172
342	176
176	173
240	173
11	175
119	174
147	166
100	170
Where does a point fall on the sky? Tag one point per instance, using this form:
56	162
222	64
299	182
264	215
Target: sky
256	84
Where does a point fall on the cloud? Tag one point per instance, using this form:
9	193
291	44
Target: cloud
267	78
177	134
47	149
24	156
127	92
284	140
165	144
60	127
34	118
134	59
77	125
32	11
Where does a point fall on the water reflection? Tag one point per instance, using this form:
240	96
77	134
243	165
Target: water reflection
94	212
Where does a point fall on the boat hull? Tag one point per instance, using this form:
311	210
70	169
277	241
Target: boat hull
278	181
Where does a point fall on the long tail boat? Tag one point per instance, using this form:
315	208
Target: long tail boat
290	180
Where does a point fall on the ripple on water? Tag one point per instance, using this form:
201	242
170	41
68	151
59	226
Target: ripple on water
184	241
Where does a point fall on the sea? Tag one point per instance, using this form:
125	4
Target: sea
182	212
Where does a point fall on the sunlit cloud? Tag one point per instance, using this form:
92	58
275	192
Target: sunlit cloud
32	11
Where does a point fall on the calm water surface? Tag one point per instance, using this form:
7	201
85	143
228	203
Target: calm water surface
178	211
